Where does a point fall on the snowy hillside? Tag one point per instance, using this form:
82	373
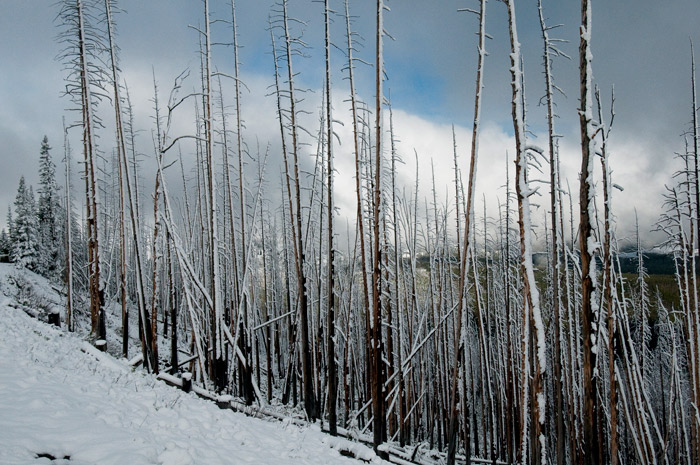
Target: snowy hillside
63	402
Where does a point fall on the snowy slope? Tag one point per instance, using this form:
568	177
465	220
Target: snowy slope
62	399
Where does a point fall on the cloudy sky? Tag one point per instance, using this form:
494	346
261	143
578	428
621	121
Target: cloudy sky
641	47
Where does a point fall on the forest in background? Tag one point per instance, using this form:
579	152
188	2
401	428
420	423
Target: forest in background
430	325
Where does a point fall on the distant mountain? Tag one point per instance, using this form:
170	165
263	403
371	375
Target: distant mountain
654	262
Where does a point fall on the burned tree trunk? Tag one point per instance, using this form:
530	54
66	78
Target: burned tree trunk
332	367
378	403
593	451
533	328
469	208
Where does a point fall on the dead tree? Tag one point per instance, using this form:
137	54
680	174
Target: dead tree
609	293
83	44
330	319
295	214
145	332
693	317
378	404
244	338
469	210
357	145
593	450
155	250
69	232
551	50
218	365
532	324
121	157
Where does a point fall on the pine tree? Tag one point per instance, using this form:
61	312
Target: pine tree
5	247
10	229
48	208
25	244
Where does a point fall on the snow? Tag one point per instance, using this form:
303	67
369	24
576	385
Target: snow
61	398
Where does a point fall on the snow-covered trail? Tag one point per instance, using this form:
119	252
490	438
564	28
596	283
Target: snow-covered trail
59	396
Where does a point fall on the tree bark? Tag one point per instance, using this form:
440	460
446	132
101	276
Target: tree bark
469	208
592	454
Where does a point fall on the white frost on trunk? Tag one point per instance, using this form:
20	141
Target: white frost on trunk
591	240
531	294
216	280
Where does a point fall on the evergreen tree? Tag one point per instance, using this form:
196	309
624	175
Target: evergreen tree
5	247
25	227
48	212
10	229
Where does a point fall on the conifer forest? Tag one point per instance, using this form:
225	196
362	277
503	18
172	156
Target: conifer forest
408	315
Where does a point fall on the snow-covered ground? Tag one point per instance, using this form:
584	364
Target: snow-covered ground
64	402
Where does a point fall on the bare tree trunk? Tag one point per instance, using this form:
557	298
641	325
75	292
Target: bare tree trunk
310	402
239	270
145	323
97	321
358	183
290	372
174	365
332	367
589	286
69	233
511	400
378	404
121	150
218	369
693	317
266	300
144	319
244	338
469	209
608	288
533	328
155	253
559	441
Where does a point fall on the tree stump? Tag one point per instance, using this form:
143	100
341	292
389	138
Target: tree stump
55	318
187	381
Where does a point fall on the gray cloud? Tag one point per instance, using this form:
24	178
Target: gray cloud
642	47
